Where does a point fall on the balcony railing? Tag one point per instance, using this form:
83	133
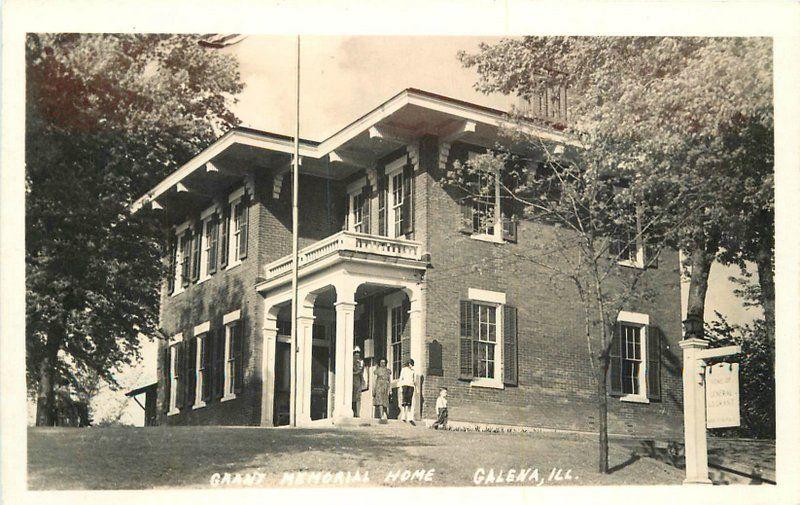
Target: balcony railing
345	241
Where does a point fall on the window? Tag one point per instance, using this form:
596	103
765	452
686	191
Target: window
201	375
236	233
478	210
173	377
398	197
186	255
488	340
233	357
210	248
396	340
635	359
357	204
631	358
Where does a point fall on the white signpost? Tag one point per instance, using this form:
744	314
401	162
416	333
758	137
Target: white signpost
695	352
722	395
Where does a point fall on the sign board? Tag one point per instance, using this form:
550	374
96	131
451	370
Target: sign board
722	395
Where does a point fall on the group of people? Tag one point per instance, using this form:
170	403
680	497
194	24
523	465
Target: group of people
382	384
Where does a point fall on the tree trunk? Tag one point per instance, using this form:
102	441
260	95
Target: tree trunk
701	261
45	395
766	281
602	415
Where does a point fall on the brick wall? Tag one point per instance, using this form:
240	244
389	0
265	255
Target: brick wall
269	238
556	387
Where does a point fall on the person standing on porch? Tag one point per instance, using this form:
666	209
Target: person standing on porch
380	391
406	383
358	380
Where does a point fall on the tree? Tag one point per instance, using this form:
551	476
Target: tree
695	113
591	217
107	116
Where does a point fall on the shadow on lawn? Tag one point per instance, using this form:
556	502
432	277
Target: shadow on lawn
136	458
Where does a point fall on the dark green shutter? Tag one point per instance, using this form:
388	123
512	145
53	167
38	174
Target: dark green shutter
238	353
172	251
208	366
407	211
244	222
217	363
197	237
467	337
509	229
186	257
615	363
510	353
191	372
366	195
382	200
405	336
167	377
467	219
653	362
224	236
213	239
345	223
650	256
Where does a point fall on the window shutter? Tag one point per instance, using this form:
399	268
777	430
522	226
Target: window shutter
213	242
650	256
653	362
168	377
510	361
172	251
346	222
224	236
467	219
191	372
408	200
615	363
382	211
365	208
208	375
238	353
405	336
180	353
244	222
466	339
218	363
186	245
509	229
196	241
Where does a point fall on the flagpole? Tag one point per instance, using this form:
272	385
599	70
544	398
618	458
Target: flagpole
295	219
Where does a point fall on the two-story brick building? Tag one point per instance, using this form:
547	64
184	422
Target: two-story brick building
394	262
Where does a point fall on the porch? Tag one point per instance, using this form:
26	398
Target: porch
354	290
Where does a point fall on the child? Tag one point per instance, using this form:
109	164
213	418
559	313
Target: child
441	409
406	384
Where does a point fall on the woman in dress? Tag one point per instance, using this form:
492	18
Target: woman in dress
380	391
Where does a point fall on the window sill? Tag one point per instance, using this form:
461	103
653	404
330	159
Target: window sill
173	412
487	383
231	266
630	264
634	399
228	397
198	405
486	238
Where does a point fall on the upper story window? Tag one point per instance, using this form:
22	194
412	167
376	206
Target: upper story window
479	216
395	199
635	359
217	240
358	196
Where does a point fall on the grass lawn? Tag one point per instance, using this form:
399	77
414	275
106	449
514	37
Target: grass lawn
137	458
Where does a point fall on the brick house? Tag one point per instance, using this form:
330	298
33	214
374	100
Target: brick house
394	262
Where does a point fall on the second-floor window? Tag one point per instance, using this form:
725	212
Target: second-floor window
398	198
357	202
478	207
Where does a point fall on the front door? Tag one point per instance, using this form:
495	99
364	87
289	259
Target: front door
319	381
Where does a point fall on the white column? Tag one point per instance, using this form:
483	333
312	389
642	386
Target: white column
305	325
269	334
343	394
416	323
694	412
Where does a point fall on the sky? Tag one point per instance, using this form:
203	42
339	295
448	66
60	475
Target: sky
343	77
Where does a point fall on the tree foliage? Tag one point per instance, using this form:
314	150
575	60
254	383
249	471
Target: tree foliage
107	117
694	115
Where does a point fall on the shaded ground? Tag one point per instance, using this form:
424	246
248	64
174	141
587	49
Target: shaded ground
137	458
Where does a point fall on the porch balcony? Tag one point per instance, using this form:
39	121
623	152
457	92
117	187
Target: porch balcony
341	247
